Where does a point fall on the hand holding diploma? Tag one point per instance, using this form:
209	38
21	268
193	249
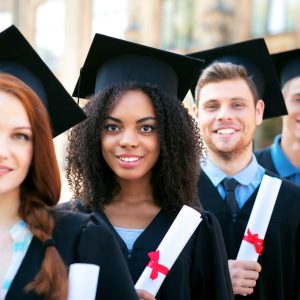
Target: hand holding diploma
252	244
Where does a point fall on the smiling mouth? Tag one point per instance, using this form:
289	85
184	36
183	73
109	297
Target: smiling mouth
225	131
129	159
4	171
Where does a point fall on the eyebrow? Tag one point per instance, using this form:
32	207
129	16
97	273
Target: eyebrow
238	99
231	99
23	127
138	121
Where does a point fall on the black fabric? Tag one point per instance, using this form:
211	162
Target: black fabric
264	158
229	185
287	65
78	239
280	260
254	56
18	58
111	60
201	270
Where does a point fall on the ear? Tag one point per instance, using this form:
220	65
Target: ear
195	111
259	111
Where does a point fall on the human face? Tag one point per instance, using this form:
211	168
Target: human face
129	139
16	148
227	117
291	122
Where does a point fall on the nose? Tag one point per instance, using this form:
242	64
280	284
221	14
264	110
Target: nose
224	113
129	138
4	151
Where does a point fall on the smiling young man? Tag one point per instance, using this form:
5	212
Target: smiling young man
229	106
282	157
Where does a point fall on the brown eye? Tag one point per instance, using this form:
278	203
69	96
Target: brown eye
147	128
111	127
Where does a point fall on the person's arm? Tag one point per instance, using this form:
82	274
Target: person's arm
98	246
243	276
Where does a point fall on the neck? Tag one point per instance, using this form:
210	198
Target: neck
231	164
135	192
9	210
291	148
134	206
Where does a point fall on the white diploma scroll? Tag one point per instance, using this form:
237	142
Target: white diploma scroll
83	281
169	249
260	218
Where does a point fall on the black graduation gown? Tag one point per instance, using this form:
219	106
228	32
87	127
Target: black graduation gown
200	272
78	239
264	158
280	260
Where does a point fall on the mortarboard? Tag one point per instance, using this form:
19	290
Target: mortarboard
255	57
18	58
111	60
287	65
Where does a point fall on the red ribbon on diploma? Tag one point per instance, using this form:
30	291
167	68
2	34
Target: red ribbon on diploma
253	239
155	266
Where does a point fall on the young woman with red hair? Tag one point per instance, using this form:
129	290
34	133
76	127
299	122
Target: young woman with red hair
38	242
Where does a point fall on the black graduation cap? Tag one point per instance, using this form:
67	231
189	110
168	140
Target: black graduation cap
111	60
287	65
18	58
255	57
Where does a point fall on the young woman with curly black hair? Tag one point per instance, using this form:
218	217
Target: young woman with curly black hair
134	163
174	175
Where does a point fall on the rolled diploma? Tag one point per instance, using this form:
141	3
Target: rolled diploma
83	281
170	247
260	215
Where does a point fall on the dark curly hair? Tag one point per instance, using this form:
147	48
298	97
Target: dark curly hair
175	175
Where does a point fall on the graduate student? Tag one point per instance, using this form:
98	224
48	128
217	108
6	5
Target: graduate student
38	242
133	162
282	157
229	106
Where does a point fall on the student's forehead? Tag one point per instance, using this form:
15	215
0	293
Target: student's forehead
294	85
133	106
232	87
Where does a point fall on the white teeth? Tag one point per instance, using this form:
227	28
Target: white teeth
129	159
225	131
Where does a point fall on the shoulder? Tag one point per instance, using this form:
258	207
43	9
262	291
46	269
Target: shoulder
264	158
73	205
69	220
263	152
210	221
291	191
286	185
98	226
287	207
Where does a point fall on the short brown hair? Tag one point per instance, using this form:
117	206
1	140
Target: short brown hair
220	71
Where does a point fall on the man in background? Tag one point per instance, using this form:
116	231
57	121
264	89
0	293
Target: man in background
283	156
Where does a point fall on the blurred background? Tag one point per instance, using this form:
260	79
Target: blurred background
61	32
